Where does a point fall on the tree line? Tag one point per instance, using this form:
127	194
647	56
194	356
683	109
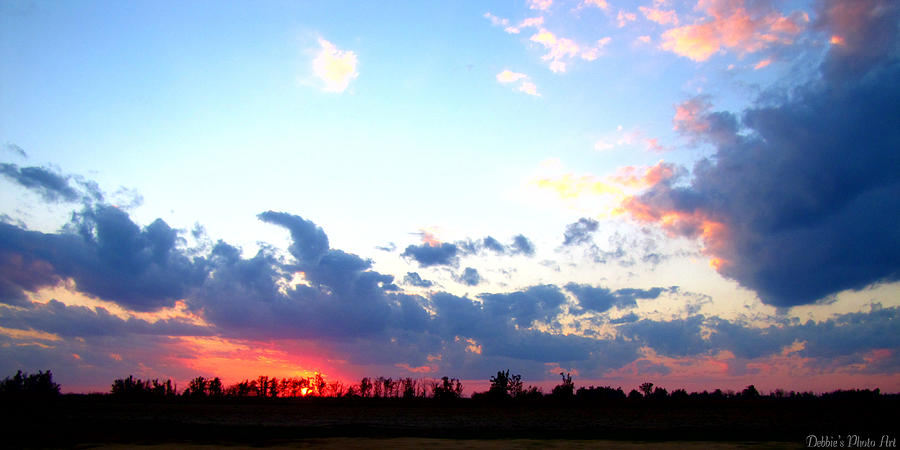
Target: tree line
503	387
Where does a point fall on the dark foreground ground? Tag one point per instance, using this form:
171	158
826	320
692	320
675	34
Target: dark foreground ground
88	421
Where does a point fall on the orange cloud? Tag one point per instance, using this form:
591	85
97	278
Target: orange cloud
762	64
420	369
730	25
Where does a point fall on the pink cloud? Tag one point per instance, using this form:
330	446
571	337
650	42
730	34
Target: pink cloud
731	25
659	16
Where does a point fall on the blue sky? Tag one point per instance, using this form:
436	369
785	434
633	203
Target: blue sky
669	188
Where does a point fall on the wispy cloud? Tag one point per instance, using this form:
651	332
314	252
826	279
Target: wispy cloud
335	67
560	50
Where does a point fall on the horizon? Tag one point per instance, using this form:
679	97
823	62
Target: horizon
699	194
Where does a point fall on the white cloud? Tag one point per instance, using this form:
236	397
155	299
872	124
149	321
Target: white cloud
529	88
335	67
496	21
508	76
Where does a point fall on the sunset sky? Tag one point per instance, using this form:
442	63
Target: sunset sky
702	194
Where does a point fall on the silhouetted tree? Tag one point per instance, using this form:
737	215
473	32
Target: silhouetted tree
647	389
750	392
566	389
634	395
197	387
365	387
505	385
34	385
601	393
659	393
214	388
408	387
447	389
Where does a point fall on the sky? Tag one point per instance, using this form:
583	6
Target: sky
701	194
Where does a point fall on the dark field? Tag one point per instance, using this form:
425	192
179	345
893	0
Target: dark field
86	421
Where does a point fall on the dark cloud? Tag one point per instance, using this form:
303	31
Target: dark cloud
804	186
836	340
522	245
107	255
600	299
427	255
390	247
469	277
51	186
627	318
680	337
493	245
309	241
414	279
580	232
537	303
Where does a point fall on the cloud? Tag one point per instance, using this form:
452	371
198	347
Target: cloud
580	232
432	255
496	21
537	303
730	24
529	88
600	299
469	277
522	245
531	22
623	17
628	138
525	86
52	186
69	321
335	67
13	148
602	4
800	200
540	5
508	76
762	64
414	279
107	255
560	49
660	16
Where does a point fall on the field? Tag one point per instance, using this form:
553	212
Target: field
89	421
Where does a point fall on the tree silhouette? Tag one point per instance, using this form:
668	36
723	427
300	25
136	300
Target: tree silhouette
447	389
34	385
566	389
365	386
647	389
